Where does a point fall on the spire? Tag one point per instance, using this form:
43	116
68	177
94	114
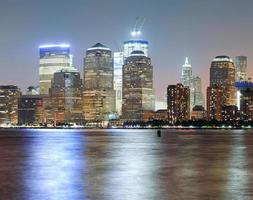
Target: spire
186	61
186	64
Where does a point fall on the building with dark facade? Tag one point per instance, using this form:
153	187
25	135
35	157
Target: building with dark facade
30	110
138	92
99	94
178	101
9	95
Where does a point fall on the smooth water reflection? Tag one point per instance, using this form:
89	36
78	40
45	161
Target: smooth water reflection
126	164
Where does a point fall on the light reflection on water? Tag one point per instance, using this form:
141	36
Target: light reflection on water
125	164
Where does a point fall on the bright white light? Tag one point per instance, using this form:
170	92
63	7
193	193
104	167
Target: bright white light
133	33
138	32
238	97
54	45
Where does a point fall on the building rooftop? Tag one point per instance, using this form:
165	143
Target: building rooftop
98	46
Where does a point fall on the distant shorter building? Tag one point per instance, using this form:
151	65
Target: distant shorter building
198	99
241	68
215	101
9	95
30	110
230	113
178	101
161	115
198	113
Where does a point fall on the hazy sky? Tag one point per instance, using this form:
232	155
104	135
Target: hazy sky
200	29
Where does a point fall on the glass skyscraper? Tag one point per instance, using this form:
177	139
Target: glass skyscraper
138	92
53	58
99	95
222	73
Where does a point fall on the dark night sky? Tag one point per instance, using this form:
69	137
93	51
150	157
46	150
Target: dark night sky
200	29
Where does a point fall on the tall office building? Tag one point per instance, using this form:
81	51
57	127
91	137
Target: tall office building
222	73
187	79
178	102
99	95
52	59
241	68
135	45
66	96
9	95
215	101
138	93
198	99
118	61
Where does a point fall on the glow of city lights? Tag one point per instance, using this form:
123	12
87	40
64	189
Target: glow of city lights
54	45
238	96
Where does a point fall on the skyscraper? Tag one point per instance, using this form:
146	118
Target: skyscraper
178	102
187	80
99	95
198	99
241	68
222	73
52	59
186	77
138	93
118	61
9	95
66	96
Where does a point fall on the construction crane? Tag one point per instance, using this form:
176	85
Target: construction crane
138	26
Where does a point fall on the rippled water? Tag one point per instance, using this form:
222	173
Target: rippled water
126	164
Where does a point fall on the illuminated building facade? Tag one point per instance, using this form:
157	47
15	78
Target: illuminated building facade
99	95
118	61
66	97
215	101
30	110
245	99
9	95
241	68
178	102
53	58
198	113
230	113
197	95
135	45
186	77
138	92
222	73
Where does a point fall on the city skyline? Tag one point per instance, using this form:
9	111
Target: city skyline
197	34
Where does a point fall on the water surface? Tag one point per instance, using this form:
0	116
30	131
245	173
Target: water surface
126	164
